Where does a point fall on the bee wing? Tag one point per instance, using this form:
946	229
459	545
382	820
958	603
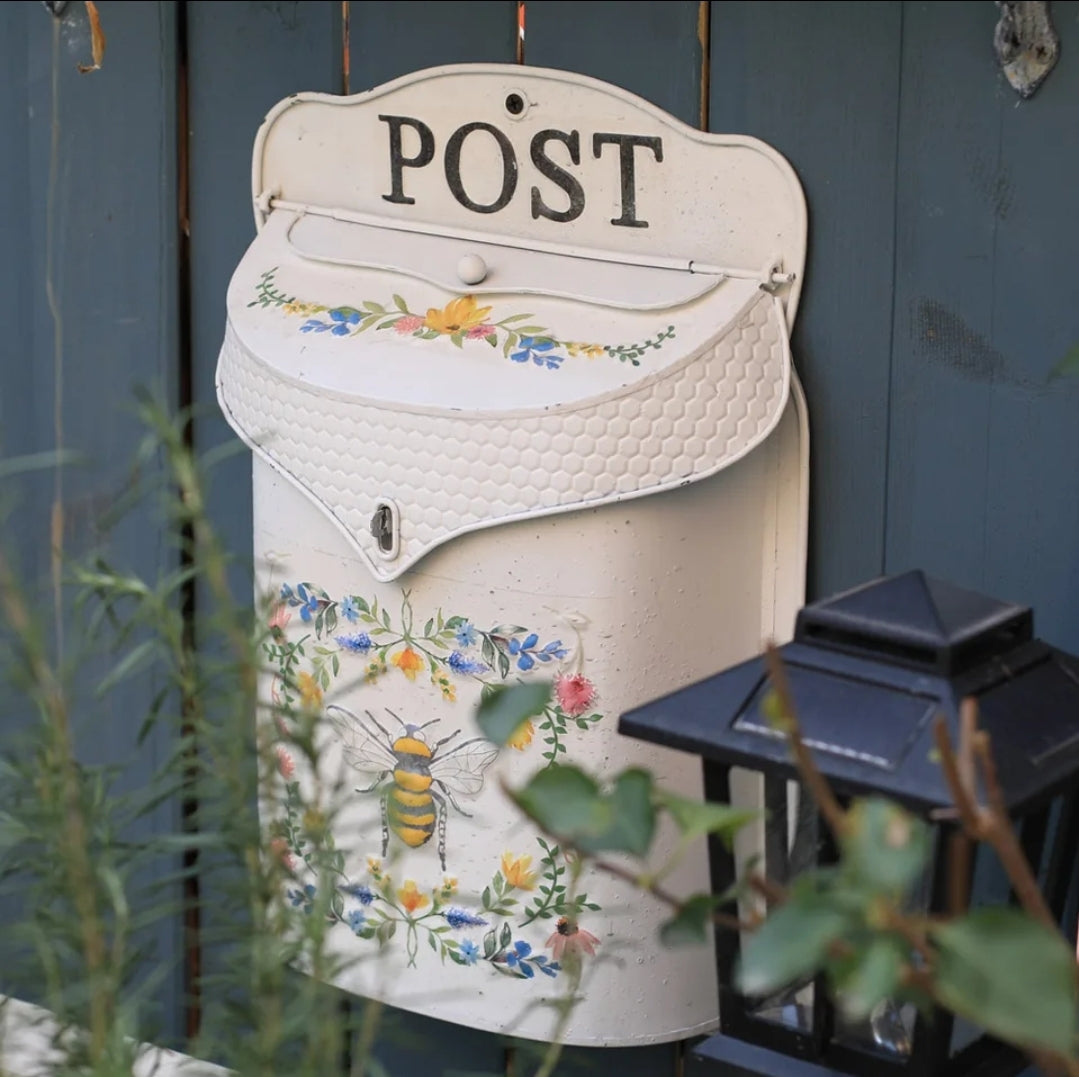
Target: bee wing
461	768
363	743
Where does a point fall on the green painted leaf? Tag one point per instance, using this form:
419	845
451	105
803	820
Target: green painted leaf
400	304
689	926
1011	975
871	976
506	708
506	936
793	942
490	943
514	318
885	846
694	817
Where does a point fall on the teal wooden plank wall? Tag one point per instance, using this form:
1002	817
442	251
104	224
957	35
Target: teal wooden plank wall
937	299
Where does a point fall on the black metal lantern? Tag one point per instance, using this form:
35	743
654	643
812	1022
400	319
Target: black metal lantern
869	671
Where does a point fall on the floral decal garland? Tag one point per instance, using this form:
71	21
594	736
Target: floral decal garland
376	909
462	320
446	648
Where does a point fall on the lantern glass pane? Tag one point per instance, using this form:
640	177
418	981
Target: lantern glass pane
889	1029
780	845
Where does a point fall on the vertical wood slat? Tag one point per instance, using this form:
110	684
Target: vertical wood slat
389	40
819	82
649	48
242	59
113	241
984	440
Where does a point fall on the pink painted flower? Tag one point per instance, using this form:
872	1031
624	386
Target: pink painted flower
279	618
408	324
279	847
285	764
568	938
478	332
575	693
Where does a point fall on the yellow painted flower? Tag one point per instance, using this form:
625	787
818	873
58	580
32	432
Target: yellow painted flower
408	662
410	898
445	686
310	693
457	316
374	866
374	671
301	308
515	871
522	736
592	351
449	885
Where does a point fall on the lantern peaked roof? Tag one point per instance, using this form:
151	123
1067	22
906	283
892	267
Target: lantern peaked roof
869	671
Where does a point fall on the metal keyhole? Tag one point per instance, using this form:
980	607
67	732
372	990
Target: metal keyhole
382	527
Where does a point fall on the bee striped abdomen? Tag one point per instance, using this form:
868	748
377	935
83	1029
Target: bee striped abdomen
411	808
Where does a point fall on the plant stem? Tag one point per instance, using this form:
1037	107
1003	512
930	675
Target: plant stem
814	781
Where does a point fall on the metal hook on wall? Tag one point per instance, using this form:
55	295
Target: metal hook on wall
1026	44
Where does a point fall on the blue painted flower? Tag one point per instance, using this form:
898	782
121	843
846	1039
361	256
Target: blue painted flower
548	968
315	325
457	918
305	897
349	610
466	635
357	643
527	655
345	318
469	951
286	594
363	894
308	603
460	663
537	349
517	958
356	919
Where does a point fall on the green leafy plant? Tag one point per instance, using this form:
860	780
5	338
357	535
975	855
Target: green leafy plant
857	921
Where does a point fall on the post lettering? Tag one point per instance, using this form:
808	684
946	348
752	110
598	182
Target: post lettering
453	167
399	162
557	175
626	167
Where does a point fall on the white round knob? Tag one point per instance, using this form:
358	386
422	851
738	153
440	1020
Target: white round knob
471	268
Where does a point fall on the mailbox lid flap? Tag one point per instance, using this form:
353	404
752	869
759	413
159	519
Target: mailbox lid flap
651	353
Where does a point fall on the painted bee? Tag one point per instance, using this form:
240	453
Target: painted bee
415	778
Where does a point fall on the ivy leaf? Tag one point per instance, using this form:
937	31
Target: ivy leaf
689	925
793	942
871	976
885	846
504	709
567	802
694	817
1010	974
633	820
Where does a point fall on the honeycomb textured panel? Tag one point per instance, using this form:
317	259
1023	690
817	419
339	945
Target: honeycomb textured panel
452	472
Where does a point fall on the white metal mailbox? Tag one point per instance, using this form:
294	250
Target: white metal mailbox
511	352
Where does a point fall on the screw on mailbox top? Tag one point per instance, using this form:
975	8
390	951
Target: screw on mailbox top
471	268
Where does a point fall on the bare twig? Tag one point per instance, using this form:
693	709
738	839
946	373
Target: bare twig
814	781
990	824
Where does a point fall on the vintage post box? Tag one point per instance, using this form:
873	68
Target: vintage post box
511	353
